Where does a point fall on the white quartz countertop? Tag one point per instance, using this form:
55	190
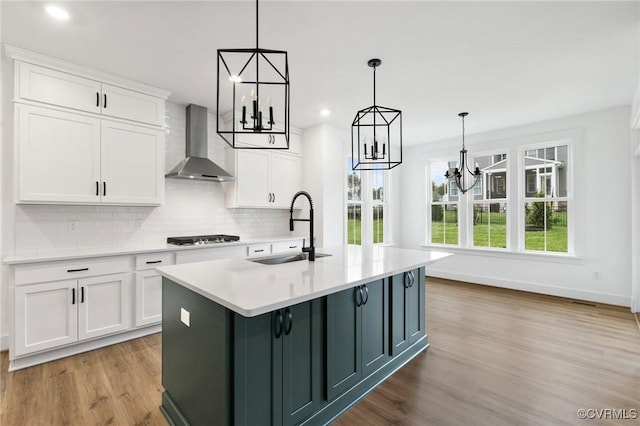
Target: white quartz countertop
251	288
80	253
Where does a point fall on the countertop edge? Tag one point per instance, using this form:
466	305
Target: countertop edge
255	311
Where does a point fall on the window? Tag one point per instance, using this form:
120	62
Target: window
490	207
546	205
444	205
378	205
522	203
354	205
367	206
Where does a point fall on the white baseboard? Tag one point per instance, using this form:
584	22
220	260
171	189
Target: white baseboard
571	293
41	357
4	342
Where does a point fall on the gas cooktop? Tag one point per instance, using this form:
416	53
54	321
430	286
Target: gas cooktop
202	239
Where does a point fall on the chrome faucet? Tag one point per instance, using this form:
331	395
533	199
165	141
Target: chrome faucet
311	249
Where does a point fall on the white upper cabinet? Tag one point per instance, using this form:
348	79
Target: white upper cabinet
58	156
264	179
85	137
122	103
130	159
41	84
53	87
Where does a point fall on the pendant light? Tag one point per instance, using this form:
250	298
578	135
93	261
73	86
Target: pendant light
462	173
376	134
254	82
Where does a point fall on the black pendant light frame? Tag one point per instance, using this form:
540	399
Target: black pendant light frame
376	120
250	129
463	171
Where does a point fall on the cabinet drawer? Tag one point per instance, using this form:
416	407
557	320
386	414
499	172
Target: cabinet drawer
285	246
150	261
258	249
200	255
55	271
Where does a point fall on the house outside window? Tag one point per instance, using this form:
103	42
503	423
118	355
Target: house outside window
354	205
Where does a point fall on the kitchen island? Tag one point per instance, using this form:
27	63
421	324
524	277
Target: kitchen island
247	343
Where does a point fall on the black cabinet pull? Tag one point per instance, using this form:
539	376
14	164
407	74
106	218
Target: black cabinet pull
288	321
413	278
274	197
104	189
358	292
258	251
407	280
149	262
104	104
366	290
293	246
77	270
73	296
97	99
278	324
81	294
97	188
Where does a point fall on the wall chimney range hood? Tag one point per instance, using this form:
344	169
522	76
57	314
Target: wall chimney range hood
197	165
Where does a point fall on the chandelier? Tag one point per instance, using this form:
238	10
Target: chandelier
462	174
375	132
255	82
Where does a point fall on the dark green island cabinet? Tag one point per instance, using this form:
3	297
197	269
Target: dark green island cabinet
302	364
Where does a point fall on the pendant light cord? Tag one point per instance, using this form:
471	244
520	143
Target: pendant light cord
257	24
374	87
463	132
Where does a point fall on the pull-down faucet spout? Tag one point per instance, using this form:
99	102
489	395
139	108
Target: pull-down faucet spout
311	249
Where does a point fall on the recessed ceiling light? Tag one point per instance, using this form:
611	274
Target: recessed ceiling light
57	12
325	112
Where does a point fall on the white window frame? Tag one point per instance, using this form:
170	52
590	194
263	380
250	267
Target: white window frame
516	149
444	202
569	199
470	202
366	207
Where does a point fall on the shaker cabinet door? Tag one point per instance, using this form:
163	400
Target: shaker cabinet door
58	156
132	164
45	316
104	305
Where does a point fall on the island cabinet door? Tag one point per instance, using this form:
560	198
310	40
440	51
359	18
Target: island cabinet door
277	362
375	326
415	302
344	341
407	309
302	349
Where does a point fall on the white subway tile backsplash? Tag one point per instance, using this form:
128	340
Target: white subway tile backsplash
191	208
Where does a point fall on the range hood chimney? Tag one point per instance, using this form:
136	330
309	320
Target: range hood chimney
197	165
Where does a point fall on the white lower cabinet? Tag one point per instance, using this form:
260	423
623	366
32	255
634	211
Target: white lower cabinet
148	297
54	314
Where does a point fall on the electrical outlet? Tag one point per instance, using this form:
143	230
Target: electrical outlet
597	275
139	223
72	225
185	317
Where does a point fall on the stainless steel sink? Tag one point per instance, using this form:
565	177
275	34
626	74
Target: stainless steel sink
276	260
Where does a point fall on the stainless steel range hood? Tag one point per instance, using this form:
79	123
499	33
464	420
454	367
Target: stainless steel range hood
197	165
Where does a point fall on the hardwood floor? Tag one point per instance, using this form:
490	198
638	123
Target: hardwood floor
497	357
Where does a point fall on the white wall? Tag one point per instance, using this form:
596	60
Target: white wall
605	212
324	159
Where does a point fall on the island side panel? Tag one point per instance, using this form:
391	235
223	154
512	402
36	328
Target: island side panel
196	364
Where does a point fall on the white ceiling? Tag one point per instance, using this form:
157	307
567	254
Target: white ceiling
507	63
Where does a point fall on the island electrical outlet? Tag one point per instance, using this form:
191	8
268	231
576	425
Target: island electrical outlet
185	317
